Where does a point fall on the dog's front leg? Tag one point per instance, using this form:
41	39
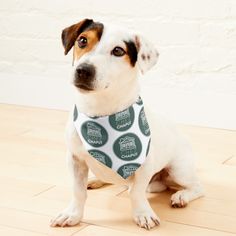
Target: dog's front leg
143	214
74	212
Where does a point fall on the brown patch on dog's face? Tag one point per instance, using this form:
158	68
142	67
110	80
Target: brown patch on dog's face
92	38
70	34
131	53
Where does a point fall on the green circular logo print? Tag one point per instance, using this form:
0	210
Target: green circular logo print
127	147
75	115
94	134
128	169
139	101
143	124
123	120
101	156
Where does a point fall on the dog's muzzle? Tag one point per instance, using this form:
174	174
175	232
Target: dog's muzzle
84	76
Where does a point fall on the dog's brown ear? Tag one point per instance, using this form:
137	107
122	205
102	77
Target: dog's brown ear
70	34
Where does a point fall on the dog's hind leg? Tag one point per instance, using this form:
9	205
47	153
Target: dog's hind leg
183	173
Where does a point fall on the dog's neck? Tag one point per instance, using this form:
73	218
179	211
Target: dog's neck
108	101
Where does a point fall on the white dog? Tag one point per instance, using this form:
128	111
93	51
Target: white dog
108	131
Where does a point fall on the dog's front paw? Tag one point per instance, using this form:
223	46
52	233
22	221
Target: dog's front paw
68	217
146	219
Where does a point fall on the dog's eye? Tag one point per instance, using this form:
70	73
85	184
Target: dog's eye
118	52
82	42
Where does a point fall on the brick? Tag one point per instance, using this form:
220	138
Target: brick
222	34
208	9
9	5
170	33
47	7
30	26
178	59
192	9
232	8
125	8
59	70
216	82
27	68
213	60
32	50
5	66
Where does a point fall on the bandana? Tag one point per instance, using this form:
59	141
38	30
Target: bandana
120	141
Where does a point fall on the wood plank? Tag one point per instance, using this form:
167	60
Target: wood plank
33	222
35	204
166	228
203	217
231	161
208	213
42	175
219	175
205	208
104	231
31	115
13	186
29	159
9	231
64	193
122	220
211	145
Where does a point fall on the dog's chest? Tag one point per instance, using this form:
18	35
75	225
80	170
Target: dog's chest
119	142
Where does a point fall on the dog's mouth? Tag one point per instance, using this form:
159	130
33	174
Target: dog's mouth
83	86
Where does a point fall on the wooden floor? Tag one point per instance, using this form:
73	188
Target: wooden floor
35	184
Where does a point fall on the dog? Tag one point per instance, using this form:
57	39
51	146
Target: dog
107	61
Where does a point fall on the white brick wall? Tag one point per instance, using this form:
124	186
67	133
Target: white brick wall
196	40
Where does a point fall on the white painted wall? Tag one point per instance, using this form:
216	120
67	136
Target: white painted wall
194	81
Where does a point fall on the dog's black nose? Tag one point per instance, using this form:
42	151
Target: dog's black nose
85	72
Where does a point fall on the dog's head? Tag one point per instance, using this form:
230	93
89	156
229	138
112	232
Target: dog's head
105	56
